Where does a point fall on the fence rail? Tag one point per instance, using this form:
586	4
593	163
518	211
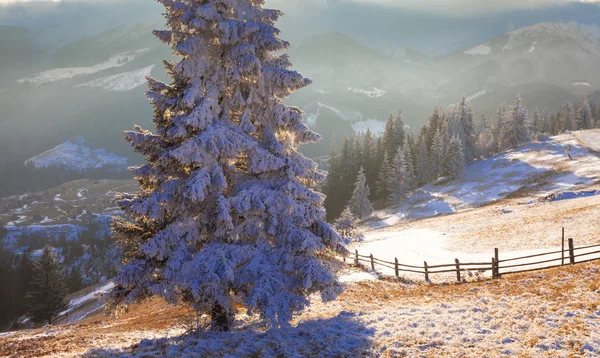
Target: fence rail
494	265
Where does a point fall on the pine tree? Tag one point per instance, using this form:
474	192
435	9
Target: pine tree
534	123
423	168
584	118
384	185
544	122
333	187
47	297
501	118
438	154
464	128
75	280
455	159
227	209
346	224
369	158
597	116
485	140
403	179
515	132
360	205
567	117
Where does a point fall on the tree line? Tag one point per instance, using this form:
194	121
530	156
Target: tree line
385	170
36	288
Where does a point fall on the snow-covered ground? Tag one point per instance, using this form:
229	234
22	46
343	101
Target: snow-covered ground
121	82
376	127
538	169
61	74
374	93
416	246
73	154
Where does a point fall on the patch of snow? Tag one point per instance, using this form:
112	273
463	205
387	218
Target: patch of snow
348	115
58	198
356	277
18	221
80	193
61	74
374	93
581	83
76	302
74	155
483	49
476	95
46	220
376	127
121	82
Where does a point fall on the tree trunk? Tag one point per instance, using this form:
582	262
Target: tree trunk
220	318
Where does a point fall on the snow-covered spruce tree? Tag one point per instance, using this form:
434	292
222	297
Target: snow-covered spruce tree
384	185
501	118
465	128
438	154
584	118
485	140
49	290
227	207
360	206
403	178
455	159
423	168
515	132
346	224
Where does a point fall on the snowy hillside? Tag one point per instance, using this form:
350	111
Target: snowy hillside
541	168
61	74
74	155
121	82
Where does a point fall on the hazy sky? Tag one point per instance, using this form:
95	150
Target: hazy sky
437	5
430	26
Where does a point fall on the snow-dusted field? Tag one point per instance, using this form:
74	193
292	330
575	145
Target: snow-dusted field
415	246
536	169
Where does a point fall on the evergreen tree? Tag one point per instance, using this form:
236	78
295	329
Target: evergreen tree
47	297
501	118
438	154
333	186
360	205
227	209
584	118
544	122
455	159
346	224
423	166
464	128
597	116
403	179
534	123
485	140
384	185
75	280
567	117
515	132
369	158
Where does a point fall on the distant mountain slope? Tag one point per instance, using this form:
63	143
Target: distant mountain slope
75	155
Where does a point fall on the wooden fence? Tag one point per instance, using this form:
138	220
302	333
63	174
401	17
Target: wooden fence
496	266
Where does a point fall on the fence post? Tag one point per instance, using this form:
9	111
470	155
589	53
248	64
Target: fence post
356	259
457	270
426	272
497	256
396	267
571	251
372	262
493	268
563	247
